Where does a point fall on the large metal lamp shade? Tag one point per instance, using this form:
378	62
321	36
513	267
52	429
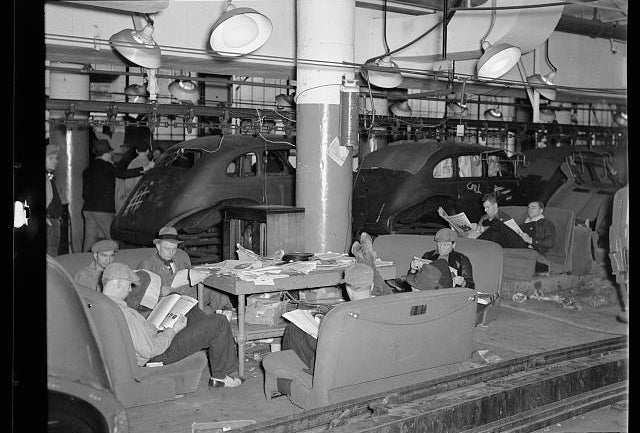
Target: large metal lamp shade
493	114
239	31
184	91
497	60
137	46
400	109
456	108
388	79
543	84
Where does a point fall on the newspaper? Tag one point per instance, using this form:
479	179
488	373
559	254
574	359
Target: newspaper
458	222
513	225
305	320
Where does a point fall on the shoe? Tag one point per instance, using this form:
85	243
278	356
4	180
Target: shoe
227	382
543	274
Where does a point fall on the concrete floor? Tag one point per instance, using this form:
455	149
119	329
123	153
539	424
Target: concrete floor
521	329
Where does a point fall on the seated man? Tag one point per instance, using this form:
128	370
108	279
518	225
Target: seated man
163	263
492	226
446	243
538	232
190	334
430	276
359	283
103	254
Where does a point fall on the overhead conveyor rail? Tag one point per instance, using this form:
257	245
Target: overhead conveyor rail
521	394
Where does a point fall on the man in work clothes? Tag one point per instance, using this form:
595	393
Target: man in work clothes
53	203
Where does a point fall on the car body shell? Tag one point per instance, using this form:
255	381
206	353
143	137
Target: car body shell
398	189
77	376
190	184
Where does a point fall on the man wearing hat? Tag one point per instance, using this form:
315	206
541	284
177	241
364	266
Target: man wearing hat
103	253
164	263
446	243
53	203
98	192
190	334
358	280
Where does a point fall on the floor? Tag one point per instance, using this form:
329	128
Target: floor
522	328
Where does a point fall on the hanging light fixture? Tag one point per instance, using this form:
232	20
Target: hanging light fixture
620	118
493	114
184	91
456	108
138	94
547	115
388	77
138	46
239	31
544	83
400	109
497	59
284	102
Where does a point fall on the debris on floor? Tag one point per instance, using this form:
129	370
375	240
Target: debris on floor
219	426
488	357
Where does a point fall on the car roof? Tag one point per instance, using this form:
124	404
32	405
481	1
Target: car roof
410	155
225	144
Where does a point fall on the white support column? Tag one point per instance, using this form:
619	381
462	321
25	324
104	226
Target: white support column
73	141
324	164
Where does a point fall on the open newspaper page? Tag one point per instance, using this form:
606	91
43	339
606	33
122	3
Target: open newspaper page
304	320
513	225
152	293
458	222
166	312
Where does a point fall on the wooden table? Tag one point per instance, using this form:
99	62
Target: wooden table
240	288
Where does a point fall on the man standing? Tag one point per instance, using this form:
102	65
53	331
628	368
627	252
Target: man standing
190	334
164	263
125	186
98	192
103	254
446	243
53	203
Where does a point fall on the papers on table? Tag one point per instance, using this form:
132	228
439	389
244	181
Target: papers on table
189	277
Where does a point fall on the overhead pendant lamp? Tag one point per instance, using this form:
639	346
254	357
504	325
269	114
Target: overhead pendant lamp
138	94
497	60
547	115
184	91
239	31
388	78
621	118
284	102
456	108
138	46
493	114
544	83
400	109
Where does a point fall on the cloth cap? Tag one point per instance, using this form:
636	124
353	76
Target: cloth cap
446	235
104	245
169	234
51	149
101	146
359	275
119	271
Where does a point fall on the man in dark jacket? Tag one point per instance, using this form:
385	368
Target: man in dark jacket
446	242
98	192
539	234
54	203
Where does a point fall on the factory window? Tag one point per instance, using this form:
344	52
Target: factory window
469	166
243	166
185	158
444	169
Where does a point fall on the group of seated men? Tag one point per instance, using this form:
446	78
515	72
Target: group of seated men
444	267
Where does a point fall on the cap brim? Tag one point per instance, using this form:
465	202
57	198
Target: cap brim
174	241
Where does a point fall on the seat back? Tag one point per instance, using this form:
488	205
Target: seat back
486	257
377	344
564	221
75	261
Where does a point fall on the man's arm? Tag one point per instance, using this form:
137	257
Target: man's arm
147	341
466	272
546	236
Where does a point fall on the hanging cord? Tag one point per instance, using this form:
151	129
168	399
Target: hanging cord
546	56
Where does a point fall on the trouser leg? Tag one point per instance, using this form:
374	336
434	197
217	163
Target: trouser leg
303	344
53	237
104	220
204	332
90	230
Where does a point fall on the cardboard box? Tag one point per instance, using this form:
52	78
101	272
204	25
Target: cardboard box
261	310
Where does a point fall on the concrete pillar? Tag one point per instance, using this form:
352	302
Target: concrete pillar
324	165
73	141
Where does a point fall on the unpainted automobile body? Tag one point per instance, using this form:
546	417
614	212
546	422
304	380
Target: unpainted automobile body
80	398
195	179
399	188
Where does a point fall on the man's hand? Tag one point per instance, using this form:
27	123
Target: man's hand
459	281
148	166
416	264
525	237
180	324
473	234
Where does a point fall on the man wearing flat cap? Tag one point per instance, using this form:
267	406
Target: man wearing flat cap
190	334
446	243
53	203
165	263
103	254
98	192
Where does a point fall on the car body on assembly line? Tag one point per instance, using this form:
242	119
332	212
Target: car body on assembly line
195	179
399	188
